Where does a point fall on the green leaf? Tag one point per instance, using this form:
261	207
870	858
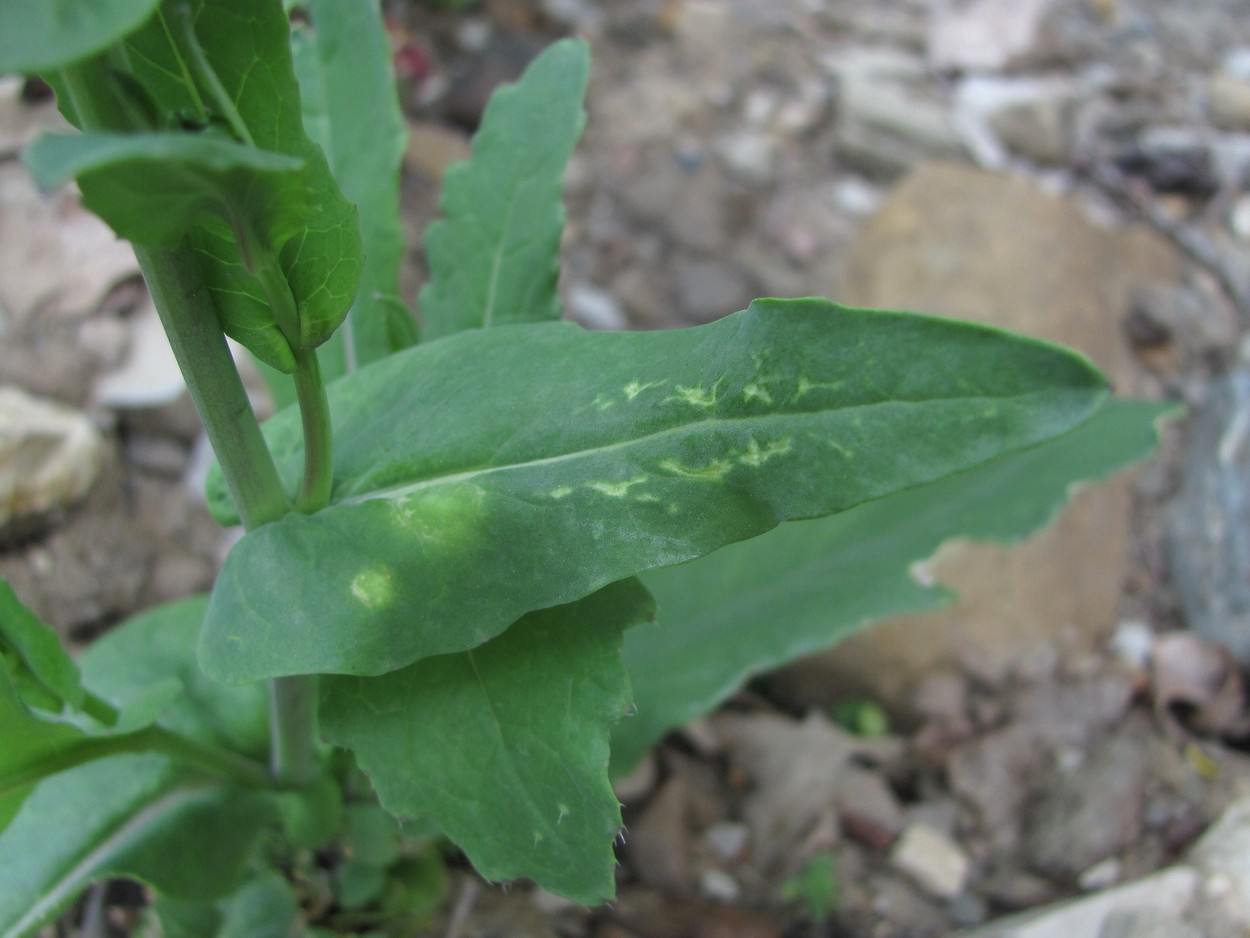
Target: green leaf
494	259
246	50
160	644
46	35
263	907
33	747
351	109
372	835
563	460
358	884
504	747
137	816
36	659
154	188
757	605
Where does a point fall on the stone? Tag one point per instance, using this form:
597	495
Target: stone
1163	894
984	34
728	840
885	122
149	376
1143	923
1224	850
749	156
1173	159
932	859
797	769
962	242
59	261
868	809
20	119
1208	524
1091	814
995	775
50	456
719	885
1228	101
595	308
1038	128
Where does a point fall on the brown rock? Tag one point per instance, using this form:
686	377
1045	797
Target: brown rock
965	243
433	147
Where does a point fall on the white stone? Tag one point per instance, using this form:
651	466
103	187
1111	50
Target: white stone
595	308
149	377
727	840
1239	218
936	863
50	455
1224	850
1101	875
751	157
984	34
1169	892
719	885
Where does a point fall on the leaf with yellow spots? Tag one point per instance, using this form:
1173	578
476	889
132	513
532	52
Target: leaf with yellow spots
494	490
826	578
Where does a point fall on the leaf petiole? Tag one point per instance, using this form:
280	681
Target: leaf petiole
204	756
205	72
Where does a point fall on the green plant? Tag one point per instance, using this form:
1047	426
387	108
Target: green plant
434	601
815	887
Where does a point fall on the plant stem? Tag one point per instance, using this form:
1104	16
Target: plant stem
310	390
213	380
293	729
190	322
209	758
314	409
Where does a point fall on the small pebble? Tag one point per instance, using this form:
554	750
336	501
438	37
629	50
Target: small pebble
1101	875
595	308
727	840
719	885
934	861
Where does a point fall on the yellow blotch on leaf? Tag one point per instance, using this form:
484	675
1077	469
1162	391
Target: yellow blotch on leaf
617	489
756	455
714	471
373	587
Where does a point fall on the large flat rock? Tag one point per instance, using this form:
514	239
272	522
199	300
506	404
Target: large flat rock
962	242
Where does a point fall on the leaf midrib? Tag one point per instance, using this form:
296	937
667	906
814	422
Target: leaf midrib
413	487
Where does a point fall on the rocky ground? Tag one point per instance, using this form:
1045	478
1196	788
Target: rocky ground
1071	168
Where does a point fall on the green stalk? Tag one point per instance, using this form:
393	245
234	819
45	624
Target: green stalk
190	322
209	758
310	391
